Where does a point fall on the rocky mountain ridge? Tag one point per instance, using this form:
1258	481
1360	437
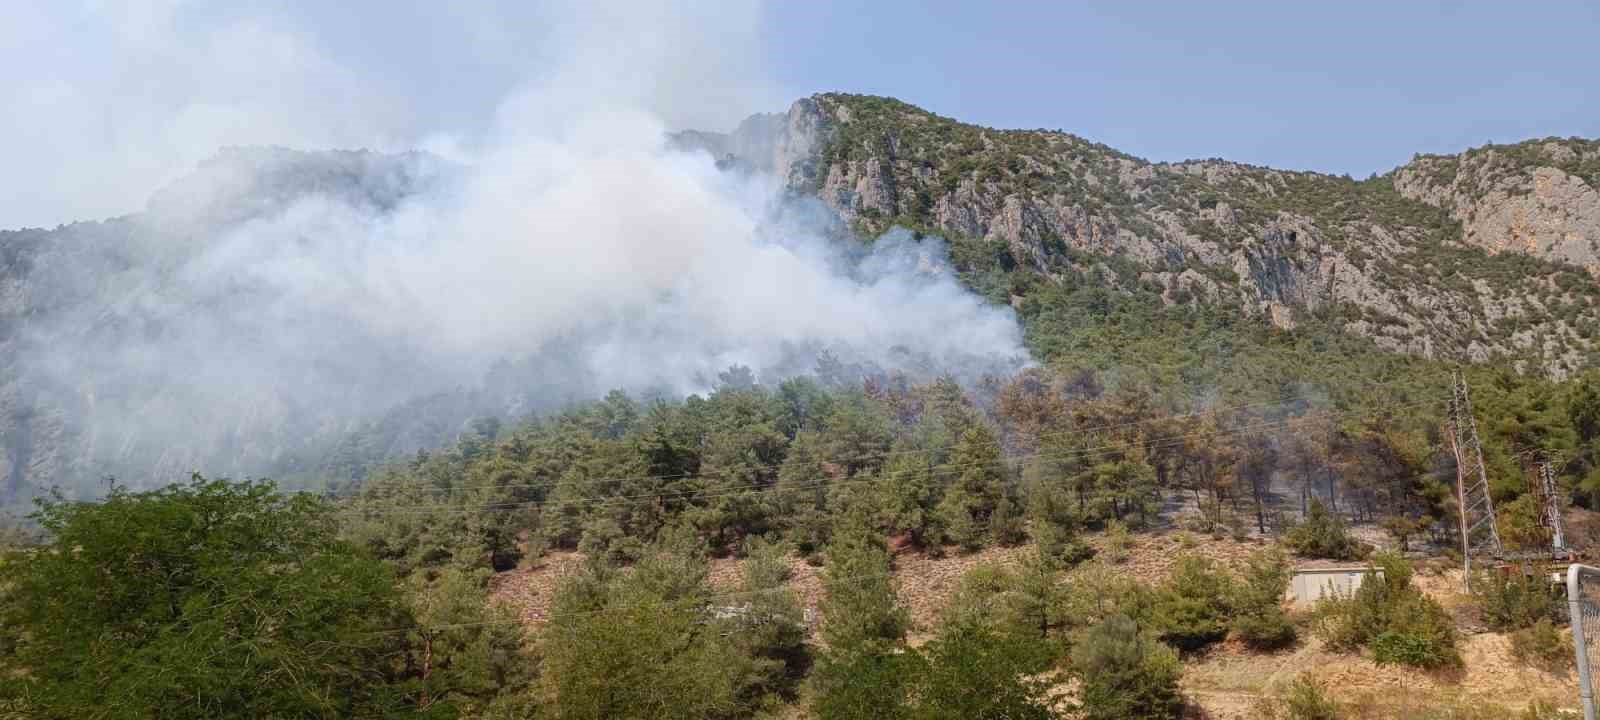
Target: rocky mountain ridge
1486	257
1539	197
1476	257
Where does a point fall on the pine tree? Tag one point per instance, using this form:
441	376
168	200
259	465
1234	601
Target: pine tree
802	494
977	489
866	670
1126	674
860	611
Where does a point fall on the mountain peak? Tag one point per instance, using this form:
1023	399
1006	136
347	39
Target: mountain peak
1473	257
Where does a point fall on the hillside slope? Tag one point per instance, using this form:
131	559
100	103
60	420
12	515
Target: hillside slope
1384	258
92	313
1105	256
1538	197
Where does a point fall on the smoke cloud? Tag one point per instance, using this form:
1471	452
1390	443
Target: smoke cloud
274	300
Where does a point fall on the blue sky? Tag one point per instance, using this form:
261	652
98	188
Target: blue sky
109	99
1346	87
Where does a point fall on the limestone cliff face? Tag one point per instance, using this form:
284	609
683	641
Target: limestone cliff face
1538	198
785	145
1379	257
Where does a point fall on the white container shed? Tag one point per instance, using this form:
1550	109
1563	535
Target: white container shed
1314	582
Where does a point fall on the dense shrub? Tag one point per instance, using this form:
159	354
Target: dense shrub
1192	608
866	671
1543	645
1304	699
1265	631
1516	600
1323	535
971	670
216	599
1118	542
865	686
640	642
1392	617
1125	674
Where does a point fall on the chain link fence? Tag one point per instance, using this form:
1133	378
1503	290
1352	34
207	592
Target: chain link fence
1583	605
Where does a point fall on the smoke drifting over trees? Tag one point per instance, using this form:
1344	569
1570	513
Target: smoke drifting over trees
274	299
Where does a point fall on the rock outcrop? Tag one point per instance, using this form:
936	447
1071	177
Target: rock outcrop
1540	198
1379	256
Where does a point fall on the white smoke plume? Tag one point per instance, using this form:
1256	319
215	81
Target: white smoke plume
563	250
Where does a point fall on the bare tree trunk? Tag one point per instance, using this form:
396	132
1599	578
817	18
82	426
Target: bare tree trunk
1261	510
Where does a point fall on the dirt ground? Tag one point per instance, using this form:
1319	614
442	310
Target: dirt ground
1229	680
1225	683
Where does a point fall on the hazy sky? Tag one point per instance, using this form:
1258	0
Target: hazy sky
1344	87
106	99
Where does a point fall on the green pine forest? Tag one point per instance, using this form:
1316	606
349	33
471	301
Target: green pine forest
368	595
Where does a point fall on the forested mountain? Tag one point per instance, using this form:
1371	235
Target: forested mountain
1229	366
154	344
1386	258
94	317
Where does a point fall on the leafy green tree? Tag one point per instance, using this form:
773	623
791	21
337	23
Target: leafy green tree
1027	601
860	610
1006	526
802	494
204	599
1122	488
1096	591
1583	411
803	404
1126	674
1052	522
856	434
910	499
768	623
865	686
738	466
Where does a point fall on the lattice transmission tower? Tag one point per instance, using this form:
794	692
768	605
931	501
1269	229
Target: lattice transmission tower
1479	534
1547	497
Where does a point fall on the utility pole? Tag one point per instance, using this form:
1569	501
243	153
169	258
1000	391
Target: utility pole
1472	482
